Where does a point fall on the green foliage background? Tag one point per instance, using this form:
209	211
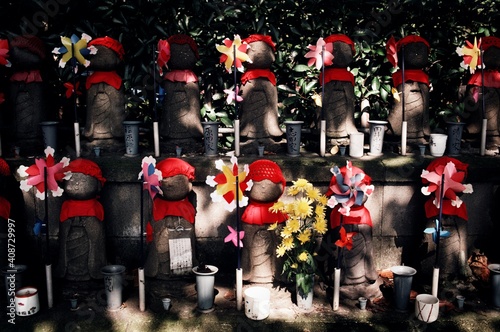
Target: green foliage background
293	24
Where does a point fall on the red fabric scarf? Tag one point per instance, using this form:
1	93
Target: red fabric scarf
432	211
251	74
26	76
337	74
81	208
178	75
108	77
415	75
182	208
359	215
4	208
491	79
257	213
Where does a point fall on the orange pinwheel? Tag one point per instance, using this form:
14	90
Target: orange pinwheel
345	239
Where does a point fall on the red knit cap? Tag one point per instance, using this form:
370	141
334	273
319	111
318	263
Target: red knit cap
341	38
31	43
412	39
175	166
184	39
87	167
487	42
265	170
4	168
264	38
109	43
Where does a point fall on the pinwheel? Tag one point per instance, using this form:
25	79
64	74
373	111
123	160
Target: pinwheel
4	53
345	239
349	187
438	229
392	51
43	176
74	51
229	187
233	95
150	176
233	53
163	55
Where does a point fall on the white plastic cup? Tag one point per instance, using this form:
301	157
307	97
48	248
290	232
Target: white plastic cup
257	303
356	144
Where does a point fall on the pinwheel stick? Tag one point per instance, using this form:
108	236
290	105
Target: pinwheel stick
322	133
336	280
435	274
237	116
239	272
156	135
76	124
404	124
140	270
48	265
484	124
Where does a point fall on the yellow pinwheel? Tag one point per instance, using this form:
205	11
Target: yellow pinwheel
471	55
233	53
75	50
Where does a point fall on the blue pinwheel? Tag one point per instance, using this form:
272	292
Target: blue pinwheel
435	230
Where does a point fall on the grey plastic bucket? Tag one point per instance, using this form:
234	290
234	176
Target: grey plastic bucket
131	129
403	278
49	133
205	288
495	284
113	284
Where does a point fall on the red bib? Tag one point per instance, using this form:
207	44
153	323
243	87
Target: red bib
359	215
182	208
108	77
251	74
415	75
257	213
81	208
4	208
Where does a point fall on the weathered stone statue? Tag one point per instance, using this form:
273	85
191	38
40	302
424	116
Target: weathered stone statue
105	94
474	100
172	251
259	108
338	102
180	118
259	262
26	95
415	51
82	247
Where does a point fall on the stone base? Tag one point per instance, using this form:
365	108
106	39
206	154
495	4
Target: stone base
370	291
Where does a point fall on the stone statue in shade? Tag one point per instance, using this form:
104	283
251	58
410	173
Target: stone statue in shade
180	121
338	102
491	83
82	243
105	94
259	109
415	52
26	94
172	250
259	262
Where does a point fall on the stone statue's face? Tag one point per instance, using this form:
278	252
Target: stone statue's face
416	55
176	187
265	191
261	54
81	186
181	57
342	54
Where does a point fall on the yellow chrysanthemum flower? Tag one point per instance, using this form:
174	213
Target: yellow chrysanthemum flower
304	236
313	193
301	183
303	256
303	208
277	207
323	200
280	251
293	191
293	225
320	226
273	226
319	210
288	243
294	265
286	233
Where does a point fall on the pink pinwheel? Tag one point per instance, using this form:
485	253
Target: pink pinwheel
226	184
392	51
471	54
163	54
233	95
233	236
4	53
36	175
433	176
228	53
349	186
150	176
316	54
345	239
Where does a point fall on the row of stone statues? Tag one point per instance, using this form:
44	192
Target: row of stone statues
180	118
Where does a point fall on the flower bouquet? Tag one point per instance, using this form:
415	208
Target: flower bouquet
306	219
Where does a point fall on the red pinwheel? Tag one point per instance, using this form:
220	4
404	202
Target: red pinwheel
71	89
454	174
150	176
471	54
345	239
392	51
36	175
4	53
226	184
349	187
230	56
233	236
317	56
163	54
